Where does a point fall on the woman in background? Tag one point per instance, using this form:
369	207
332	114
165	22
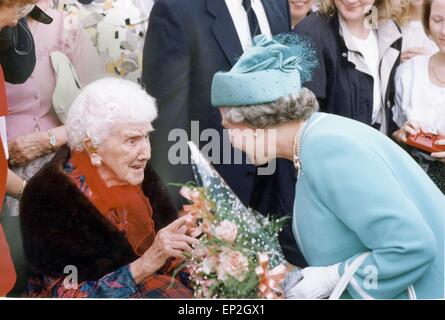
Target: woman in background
415	40
420	94
34	131
358	47
10	13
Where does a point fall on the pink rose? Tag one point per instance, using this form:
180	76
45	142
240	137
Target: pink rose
227	231
232	263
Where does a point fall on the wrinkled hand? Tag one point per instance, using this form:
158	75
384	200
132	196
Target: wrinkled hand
24	149
171	241
409	128
317	283
412	52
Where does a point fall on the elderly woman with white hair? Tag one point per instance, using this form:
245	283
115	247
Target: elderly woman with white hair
97	221
366	216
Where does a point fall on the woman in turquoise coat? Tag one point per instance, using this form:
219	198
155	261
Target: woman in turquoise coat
363	206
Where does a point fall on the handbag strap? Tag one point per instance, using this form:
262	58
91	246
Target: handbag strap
349	274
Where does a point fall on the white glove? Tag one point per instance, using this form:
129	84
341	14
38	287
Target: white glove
293	276
317	283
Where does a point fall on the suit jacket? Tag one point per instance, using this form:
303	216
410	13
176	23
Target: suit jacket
187	42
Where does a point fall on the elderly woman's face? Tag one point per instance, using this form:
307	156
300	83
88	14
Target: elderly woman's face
125	153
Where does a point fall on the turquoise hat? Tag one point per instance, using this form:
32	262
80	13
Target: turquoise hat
272	68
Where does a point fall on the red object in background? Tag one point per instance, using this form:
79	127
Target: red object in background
7	271
425	142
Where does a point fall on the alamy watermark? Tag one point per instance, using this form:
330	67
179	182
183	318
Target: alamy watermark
217	147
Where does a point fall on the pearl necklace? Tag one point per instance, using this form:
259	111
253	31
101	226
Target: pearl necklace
297	145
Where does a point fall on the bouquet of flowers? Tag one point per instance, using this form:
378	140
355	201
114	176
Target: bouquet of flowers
239	255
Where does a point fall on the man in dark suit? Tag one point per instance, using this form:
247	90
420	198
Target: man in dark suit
187	42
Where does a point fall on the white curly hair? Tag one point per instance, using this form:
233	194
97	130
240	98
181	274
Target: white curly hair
104	104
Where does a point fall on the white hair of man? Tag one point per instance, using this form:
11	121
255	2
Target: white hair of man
104	104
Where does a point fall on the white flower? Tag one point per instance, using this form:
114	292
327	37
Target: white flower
206	266
200	251
227	231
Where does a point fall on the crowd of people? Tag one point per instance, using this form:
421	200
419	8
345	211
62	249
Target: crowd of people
96	94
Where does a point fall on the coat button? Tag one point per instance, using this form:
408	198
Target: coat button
344	54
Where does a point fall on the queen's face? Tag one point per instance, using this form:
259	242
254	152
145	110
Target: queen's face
258	144
125	153
437	23
353	10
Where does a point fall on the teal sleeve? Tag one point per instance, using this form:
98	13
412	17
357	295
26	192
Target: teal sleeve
360	189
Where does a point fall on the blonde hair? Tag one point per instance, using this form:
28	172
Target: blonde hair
387	9
404	12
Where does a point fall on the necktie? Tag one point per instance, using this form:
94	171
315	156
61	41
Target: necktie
253	20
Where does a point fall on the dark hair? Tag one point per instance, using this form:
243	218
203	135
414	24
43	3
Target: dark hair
426	16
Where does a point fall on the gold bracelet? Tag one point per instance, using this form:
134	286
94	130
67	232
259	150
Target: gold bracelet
19	195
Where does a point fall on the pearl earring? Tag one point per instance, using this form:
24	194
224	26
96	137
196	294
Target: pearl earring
96	160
